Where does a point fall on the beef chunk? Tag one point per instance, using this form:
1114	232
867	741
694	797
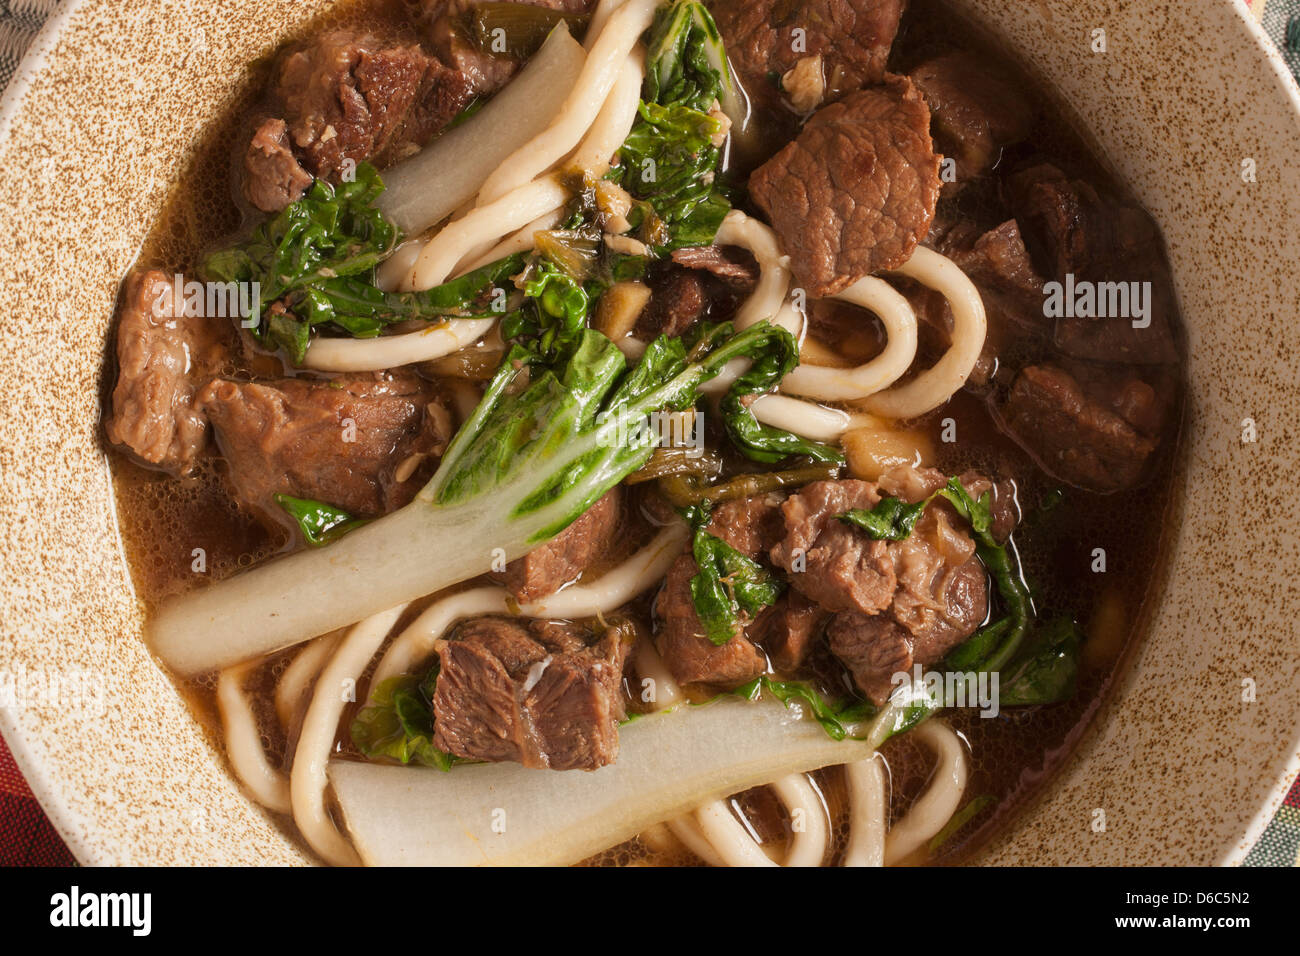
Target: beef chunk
856	192
750	526
1071	229
844	44
507	692
789	629
160	350
346	443
976	111
735	266
1098	437
677	301
829	561
1011	288
274	177
941	598
550	566
345	98
444	25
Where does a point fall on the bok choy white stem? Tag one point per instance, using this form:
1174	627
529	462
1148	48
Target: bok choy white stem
669	763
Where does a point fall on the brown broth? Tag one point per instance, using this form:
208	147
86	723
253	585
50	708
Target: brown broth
163	520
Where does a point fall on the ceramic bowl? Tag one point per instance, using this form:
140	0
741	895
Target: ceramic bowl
1186	761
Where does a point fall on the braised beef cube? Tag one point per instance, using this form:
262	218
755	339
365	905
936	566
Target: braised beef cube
364	445
550	566
942	597
976	110
344	98
1010	287
856	192
160	352
678	300
690	655
789	630
829	561
750	526
1084	438
735	266
274	177
503	695
815	51
1080	237
445	25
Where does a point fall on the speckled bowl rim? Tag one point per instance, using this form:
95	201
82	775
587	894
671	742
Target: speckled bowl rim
54	801
1277	793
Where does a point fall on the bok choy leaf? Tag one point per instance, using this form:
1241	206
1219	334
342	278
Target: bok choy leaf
670	161
314	267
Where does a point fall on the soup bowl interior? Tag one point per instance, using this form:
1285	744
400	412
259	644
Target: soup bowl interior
1183	763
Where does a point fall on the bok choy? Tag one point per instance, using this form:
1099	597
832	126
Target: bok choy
547	440
314	266
670	160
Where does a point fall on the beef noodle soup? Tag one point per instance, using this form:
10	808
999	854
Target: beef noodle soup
645	433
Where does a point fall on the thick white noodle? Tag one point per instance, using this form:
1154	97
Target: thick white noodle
768	298
397	268
815	422
393	351
868	809
848	384
728	836
649	665
688	831
307	780
936	385
486	223
608	54
297	677
264	783
522	240
934	808
593	156
614	121
638	573
809	839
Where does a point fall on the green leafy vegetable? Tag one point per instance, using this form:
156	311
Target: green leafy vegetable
838	718
727	584
1016	602
314	264
1046	670
763	442
553	439
687	490
319	523
398	723
669	161
891	520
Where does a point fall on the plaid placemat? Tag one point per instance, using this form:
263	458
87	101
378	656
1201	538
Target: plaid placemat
28	839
